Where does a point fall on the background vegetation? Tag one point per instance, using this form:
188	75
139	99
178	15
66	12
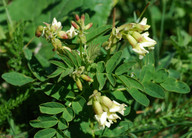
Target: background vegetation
171	27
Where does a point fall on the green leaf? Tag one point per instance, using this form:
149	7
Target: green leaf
37	70
62	124
100	40
2	33
71	57
153	90
124	68
101	79
139	96
68	114
67	61
113	62
52	108
67	133
60	134
28	53
16	78
65	73
101	10
54	90
42	60
127	110
31	7
111	79
85	127
118	131
147	73
44	122
97	32
100	66
172	85
64	7
57	72
70	95
78	58
45	133
130	82
78	104
121	96
58	63
160	75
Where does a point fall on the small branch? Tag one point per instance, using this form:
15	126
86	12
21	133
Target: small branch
114	14
143	11
8	15
29	42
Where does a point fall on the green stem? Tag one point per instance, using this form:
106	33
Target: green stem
8	15
161	32
143	12
81	50
162	23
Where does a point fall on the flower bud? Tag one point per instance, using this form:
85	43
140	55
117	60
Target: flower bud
141	28
83	21
79	84
77	17
88	26
39	31
62	35
97	108
56	43
131	40
137	36
75	25
106	101
86	78
82	18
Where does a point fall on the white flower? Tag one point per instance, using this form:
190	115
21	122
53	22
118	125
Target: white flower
148	42
71	33
140	49
143	21
116	107
141	26
112	117
56	24
139	42
102	120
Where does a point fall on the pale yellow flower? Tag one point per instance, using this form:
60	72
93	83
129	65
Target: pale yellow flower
71	32
117	107
102	120
56	24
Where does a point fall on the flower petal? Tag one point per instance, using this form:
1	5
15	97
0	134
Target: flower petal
71	33
143	21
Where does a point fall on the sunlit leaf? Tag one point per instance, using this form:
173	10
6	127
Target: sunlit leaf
16	78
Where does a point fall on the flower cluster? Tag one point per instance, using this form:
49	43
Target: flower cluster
79	74
133	32
105	109
138	40
81	27
53	33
